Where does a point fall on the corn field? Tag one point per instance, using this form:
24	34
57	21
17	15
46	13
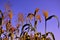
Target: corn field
12	33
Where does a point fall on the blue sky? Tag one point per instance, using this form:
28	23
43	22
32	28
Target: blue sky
26	6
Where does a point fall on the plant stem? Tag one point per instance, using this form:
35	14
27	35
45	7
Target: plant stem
45	28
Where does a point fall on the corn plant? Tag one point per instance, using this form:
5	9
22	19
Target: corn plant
45	13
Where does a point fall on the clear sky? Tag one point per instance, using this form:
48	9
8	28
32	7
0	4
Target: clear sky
26	6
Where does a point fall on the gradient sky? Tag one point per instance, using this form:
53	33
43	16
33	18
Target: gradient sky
26	6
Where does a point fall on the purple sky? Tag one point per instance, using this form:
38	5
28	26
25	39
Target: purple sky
26	6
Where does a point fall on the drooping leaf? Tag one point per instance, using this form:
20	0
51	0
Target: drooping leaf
25	26
22	30
54	17
51	34
30	15
51	17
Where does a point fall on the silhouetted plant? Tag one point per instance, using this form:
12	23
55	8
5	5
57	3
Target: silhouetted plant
45	13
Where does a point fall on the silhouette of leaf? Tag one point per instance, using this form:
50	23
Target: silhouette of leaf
54	17
52	35
22	30
30	15
25	26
